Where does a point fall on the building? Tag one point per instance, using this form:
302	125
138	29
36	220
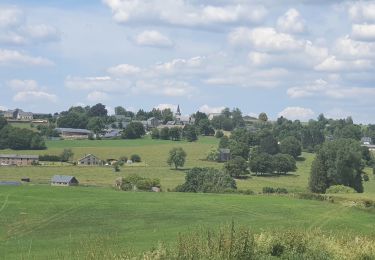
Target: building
73	133
179	120
366	140
90	160
224	155
111	133
18	160
61	180
153	122
212	115
18	114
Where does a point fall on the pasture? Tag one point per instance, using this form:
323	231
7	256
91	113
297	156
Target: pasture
39	222
154	155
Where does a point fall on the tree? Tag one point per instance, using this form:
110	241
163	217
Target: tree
239	149
199	116
190	133
37	142
175	133
155	134
291	146
283	163
96	124
237	118
263	117
268	144
338	162
236	167
98	110
224	142
167	115
177	157
133	130
207	180
205	127
260	163
3	122
219	134
66	155
227	124
164	133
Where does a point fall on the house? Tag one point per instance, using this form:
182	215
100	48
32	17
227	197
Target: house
366	140
19	160
61	180
18	114
212	115
153	122
89	160
73	133
224	155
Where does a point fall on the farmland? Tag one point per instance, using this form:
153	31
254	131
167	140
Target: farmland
39	221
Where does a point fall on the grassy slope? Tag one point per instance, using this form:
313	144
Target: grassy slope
38	220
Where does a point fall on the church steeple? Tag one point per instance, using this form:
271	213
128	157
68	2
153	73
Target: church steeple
178	113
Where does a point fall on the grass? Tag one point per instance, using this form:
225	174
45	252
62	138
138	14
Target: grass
36	221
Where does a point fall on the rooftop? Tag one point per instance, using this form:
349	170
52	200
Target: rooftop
19	156
62	178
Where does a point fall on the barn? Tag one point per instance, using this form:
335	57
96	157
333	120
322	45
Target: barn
61	180
90	160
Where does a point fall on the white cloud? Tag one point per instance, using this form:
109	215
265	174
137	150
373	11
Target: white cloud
363	32
362	11
332	64
97	96
124	70
264	39
11	57
351	49
10	17
34	96
166	106
153	39
291	22
208	110
321	88
192	65
104	83
23	85
42	32
297	113
12	38
259	58
183	12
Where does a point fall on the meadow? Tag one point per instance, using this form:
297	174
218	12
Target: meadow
38	222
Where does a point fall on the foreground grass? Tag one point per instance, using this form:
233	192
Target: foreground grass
43	220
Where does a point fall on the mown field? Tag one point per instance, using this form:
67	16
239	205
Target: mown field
154	155
40	222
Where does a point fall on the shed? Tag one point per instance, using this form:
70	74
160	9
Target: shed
61	180
224	155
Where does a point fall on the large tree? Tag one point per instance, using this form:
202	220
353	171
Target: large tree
338	162
98	110
133	130
268	144
177	157
291	146
236	167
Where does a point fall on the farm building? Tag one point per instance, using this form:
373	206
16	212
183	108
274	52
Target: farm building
19	160
61	180
18	114
89	160
10	183
72	133
153	122
224	155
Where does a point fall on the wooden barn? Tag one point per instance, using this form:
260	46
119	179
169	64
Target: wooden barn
61	180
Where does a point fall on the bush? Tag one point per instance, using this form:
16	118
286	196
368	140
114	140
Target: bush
373	171
340	189
135	182
207	180
49	158
219	134
155	134
213	155
365	177
271	190
135	158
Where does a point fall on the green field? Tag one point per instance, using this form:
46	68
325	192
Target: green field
39	221
154	155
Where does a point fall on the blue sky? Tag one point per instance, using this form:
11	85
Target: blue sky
291	58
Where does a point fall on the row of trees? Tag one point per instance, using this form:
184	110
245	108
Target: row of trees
189	132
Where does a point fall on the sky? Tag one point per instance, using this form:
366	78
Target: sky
291	58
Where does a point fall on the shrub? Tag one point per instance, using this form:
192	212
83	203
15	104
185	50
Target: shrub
49	158
135	182
340	189
135	158
213	155
281	191
123	159
373	170
155	134
365	177
219	134
207	180
268	190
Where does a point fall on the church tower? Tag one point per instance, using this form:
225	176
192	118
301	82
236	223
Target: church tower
178	115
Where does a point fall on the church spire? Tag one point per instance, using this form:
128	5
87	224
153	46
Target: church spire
178	113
